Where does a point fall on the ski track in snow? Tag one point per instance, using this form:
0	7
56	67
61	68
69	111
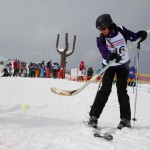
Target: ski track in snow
54	122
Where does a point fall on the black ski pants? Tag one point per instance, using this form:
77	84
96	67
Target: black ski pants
105	90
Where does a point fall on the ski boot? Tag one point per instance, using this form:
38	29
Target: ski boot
124	123
93	121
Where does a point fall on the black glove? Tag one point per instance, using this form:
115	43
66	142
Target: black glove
142	35
114	56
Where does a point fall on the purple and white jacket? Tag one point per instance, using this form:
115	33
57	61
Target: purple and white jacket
115	41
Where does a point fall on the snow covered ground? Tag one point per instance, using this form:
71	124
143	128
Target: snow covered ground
54	122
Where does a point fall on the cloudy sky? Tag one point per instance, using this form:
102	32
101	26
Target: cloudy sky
29	28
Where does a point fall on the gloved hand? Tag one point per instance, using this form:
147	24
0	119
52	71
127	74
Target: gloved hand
114	56
142	35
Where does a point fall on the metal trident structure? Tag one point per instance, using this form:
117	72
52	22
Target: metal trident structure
64	52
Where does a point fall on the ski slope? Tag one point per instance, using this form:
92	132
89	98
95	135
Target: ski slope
54	122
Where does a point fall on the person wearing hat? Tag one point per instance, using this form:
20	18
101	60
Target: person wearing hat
111	43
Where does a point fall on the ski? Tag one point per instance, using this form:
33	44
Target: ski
97	133
75	92
106	137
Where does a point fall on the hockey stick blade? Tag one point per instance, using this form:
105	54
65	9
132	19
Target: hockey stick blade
75	92
62	92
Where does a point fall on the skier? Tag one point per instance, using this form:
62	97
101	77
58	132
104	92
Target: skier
111	43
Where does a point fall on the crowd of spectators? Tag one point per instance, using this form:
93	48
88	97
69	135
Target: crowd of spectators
19	68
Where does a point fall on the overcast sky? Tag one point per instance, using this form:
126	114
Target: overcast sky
29	28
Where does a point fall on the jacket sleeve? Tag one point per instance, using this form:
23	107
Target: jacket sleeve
101	44
130	35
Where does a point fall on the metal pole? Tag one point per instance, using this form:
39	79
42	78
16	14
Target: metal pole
137	71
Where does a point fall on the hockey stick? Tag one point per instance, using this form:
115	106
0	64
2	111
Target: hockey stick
100	83
75	92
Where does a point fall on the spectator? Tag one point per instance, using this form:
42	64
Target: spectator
81	67
55	69
6	73
90	71
15	66
42	72
9	67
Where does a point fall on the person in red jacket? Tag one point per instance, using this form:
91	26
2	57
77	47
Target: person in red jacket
15	67
81	67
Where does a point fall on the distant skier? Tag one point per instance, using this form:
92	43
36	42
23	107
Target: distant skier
111	43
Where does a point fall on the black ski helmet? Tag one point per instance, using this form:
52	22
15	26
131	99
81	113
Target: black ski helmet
103	21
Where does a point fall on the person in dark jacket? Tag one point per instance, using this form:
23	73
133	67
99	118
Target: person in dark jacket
90	71
6	73
111	43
